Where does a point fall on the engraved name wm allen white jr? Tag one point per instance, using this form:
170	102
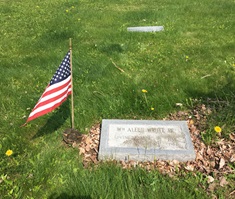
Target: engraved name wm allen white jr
147	137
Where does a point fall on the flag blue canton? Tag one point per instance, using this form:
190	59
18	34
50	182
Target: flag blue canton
63	71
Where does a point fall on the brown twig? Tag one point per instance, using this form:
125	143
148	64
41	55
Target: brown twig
117	66
206	76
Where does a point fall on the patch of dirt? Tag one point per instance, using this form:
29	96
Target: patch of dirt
72	137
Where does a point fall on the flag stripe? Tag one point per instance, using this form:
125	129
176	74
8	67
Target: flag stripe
48	107
57	85
47	95
45	111
52	98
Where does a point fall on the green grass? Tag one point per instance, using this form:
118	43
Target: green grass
193	58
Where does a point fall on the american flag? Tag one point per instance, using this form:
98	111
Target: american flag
56	92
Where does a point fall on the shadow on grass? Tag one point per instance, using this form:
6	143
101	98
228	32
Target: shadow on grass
222	104
224	97
66	196
57	119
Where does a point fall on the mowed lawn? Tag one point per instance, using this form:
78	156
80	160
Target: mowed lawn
191	60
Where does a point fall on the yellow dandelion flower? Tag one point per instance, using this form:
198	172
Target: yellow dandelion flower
217	129
186	57
67	10
144	91
152	109
9	152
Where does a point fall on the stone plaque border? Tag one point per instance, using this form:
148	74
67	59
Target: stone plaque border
139	154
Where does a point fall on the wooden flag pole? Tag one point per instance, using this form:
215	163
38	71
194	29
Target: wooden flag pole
71	68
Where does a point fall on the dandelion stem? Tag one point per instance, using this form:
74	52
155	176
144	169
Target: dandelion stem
145	99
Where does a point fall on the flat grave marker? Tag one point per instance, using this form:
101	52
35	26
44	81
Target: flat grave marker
145	140
145	29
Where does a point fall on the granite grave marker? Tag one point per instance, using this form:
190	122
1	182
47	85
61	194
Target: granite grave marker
145	140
